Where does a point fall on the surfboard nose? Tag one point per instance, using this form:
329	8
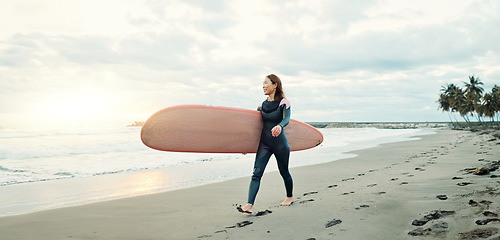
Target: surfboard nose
320	141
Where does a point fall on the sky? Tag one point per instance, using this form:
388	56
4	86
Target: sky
89	61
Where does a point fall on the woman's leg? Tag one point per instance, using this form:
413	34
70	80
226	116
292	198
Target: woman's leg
261	160
282	157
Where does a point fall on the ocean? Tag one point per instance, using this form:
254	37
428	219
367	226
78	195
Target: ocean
45	169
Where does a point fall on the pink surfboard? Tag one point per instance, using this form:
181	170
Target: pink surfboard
208	129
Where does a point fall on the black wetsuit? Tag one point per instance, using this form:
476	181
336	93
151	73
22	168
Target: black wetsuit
273	113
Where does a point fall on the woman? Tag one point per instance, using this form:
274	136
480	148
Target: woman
275	115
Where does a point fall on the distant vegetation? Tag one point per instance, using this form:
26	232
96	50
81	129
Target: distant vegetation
136	124
380	125
477	109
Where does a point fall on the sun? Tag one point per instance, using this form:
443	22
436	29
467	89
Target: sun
70	107
73	108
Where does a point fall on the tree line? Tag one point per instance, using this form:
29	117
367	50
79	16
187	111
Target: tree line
471	103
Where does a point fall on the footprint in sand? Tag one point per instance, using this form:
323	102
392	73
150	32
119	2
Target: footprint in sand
306	201
240	224
244	224
490	214
486	221
263	213
483	202
333	223
310	193
372	185
362	206
442	197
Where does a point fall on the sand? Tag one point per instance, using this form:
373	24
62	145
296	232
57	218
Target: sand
377	195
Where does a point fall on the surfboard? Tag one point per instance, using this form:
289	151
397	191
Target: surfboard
212	129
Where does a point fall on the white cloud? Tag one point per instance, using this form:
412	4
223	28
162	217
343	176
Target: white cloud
397	15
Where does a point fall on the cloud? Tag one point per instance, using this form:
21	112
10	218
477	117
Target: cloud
18	50
382	51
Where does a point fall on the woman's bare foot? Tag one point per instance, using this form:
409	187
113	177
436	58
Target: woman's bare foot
246	209
288	201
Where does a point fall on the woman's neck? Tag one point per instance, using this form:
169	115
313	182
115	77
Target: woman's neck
270	97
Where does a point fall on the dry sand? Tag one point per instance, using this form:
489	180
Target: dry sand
376	195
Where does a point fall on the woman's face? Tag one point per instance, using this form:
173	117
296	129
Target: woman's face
268	86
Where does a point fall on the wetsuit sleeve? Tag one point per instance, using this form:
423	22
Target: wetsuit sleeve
285	105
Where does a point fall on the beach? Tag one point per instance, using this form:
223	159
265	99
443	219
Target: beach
404	190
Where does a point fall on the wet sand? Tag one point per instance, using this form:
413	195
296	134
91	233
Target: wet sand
407	190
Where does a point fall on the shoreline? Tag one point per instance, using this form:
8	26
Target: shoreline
377	194
17	199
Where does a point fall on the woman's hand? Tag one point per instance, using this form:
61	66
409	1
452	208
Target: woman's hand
276	130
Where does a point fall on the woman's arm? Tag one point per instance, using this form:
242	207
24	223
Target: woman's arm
285	104
286	108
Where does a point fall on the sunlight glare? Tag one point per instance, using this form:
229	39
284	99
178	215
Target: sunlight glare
73	108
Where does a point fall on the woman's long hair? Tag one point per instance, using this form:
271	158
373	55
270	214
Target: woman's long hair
279	94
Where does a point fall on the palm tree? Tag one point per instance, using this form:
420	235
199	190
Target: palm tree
473	93
495	91
452	100
445	101
488	106
495	101
459	104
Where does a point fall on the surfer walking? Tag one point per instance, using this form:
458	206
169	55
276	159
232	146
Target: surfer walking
275	115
